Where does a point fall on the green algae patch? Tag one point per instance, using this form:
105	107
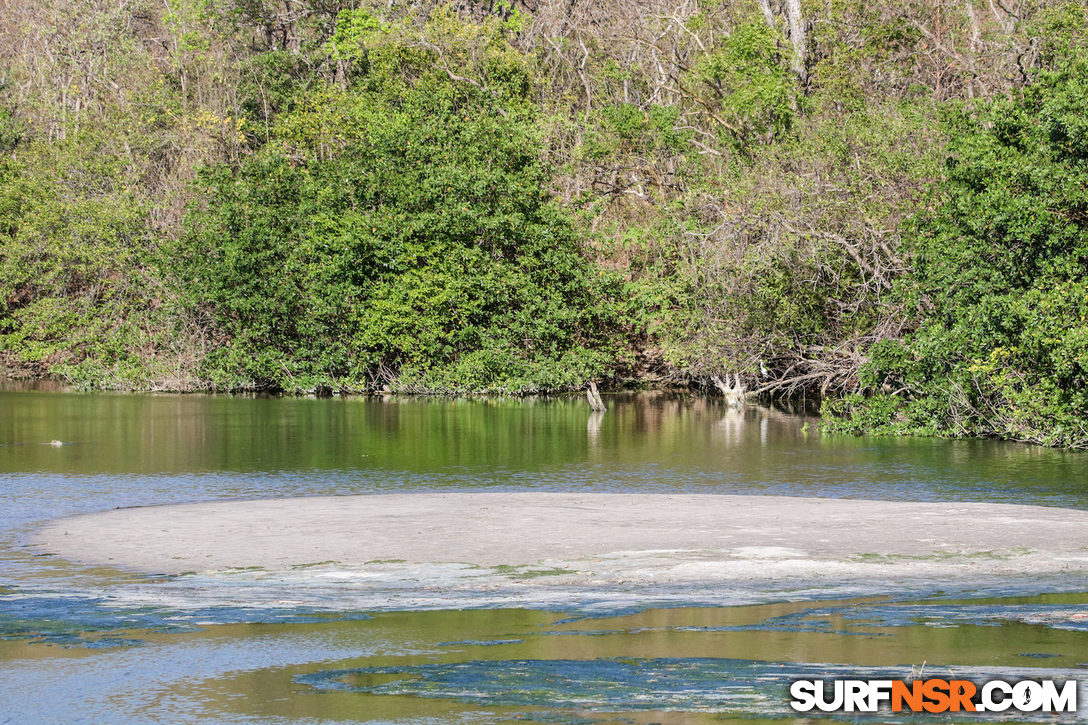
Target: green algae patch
524	572
989	555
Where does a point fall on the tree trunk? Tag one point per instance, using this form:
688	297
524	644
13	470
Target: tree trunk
795	31
594	398
798	39
768	13
734	394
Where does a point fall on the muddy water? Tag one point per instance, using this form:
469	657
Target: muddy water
103	646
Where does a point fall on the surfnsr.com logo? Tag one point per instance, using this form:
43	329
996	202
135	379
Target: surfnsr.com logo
933	695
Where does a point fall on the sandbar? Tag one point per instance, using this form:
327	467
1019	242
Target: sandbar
598	537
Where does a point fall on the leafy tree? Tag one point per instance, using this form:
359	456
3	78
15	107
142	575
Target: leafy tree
398	231
999	285
751	79
71	261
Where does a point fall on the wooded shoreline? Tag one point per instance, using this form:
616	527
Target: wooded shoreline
879	204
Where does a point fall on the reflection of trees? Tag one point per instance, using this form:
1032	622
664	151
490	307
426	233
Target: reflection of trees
755	418
196	434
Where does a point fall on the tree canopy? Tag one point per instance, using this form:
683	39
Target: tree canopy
997	296
876	203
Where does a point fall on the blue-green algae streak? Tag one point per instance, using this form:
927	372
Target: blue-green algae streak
90	645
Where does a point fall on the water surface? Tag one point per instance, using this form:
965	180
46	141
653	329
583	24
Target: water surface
113	647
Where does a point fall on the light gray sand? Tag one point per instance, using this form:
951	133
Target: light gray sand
597	538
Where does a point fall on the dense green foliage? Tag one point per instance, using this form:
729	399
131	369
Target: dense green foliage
998	292
71	270
879	202
418	250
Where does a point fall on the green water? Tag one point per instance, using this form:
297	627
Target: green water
112	647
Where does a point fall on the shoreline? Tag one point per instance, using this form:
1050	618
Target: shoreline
60	385
573	540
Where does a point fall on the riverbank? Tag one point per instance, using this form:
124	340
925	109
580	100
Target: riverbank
599	538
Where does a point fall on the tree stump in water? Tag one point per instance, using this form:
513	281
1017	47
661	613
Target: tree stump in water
594	397
734	394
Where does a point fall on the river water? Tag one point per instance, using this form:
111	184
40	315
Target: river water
96	645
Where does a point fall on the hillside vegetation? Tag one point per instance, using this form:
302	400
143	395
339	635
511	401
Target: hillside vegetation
881	203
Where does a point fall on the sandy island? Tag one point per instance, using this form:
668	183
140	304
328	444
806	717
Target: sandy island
590	538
